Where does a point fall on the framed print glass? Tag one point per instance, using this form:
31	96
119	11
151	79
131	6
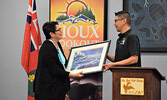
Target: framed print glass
88	58
149	21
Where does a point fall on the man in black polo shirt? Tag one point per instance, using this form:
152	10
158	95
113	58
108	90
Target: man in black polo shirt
127	51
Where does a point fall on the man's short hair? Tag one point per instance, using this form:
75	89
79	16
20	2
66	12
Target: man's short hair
124	14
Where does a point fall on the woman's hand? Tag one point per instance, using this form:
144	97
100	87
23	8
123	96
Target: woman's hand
76	74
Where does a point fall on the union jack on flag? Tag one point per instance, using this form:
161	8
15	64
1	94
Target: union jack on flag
31	43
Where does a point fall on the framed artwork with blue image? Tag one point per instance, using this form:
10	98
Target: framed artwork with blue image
88	58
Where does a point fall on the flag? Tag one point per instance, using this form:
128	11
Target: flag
31	43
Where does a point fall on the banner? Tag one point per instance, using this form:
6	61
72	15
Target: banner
32	40
82	22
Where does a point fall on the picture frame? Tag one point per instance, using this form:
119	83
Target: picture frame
148	20
88	58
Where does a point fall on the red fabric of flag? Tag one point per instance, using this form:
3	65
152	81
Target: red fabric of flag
31	43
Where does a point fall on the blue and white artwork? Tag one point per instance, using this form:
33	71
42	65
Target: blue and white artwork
87	59
149	21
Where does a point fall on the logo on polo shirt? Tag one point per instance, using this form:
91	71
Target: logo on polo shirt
122	41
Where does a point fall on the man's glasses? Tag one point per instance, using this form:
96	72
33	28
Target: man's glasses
116	20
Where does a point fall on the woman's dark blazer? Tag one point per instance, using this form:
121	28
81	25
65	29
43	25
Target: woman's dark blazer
51	80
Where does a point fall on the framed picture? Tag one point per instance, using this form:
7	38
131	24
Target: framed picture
82	21
88	58
149	21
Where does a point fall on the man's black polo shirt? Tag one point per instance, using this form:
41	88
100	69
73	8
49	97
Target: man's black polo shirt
128	45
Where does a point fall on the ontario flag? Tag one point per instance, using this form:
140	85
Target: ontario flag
31	43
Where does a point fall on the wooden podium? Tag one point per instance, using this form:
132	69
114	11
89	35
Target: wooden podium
136	83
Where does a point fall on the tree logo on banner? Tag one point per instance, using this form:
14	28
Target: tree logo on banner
76	11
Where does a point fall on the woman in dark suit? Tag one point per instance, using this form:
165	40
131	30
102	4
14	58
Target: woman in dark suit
51	80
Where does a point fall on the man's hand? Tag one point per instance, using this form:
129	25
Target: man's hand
107	66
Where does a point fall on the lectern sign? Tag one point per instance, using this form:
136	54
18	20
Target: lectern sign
132	86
